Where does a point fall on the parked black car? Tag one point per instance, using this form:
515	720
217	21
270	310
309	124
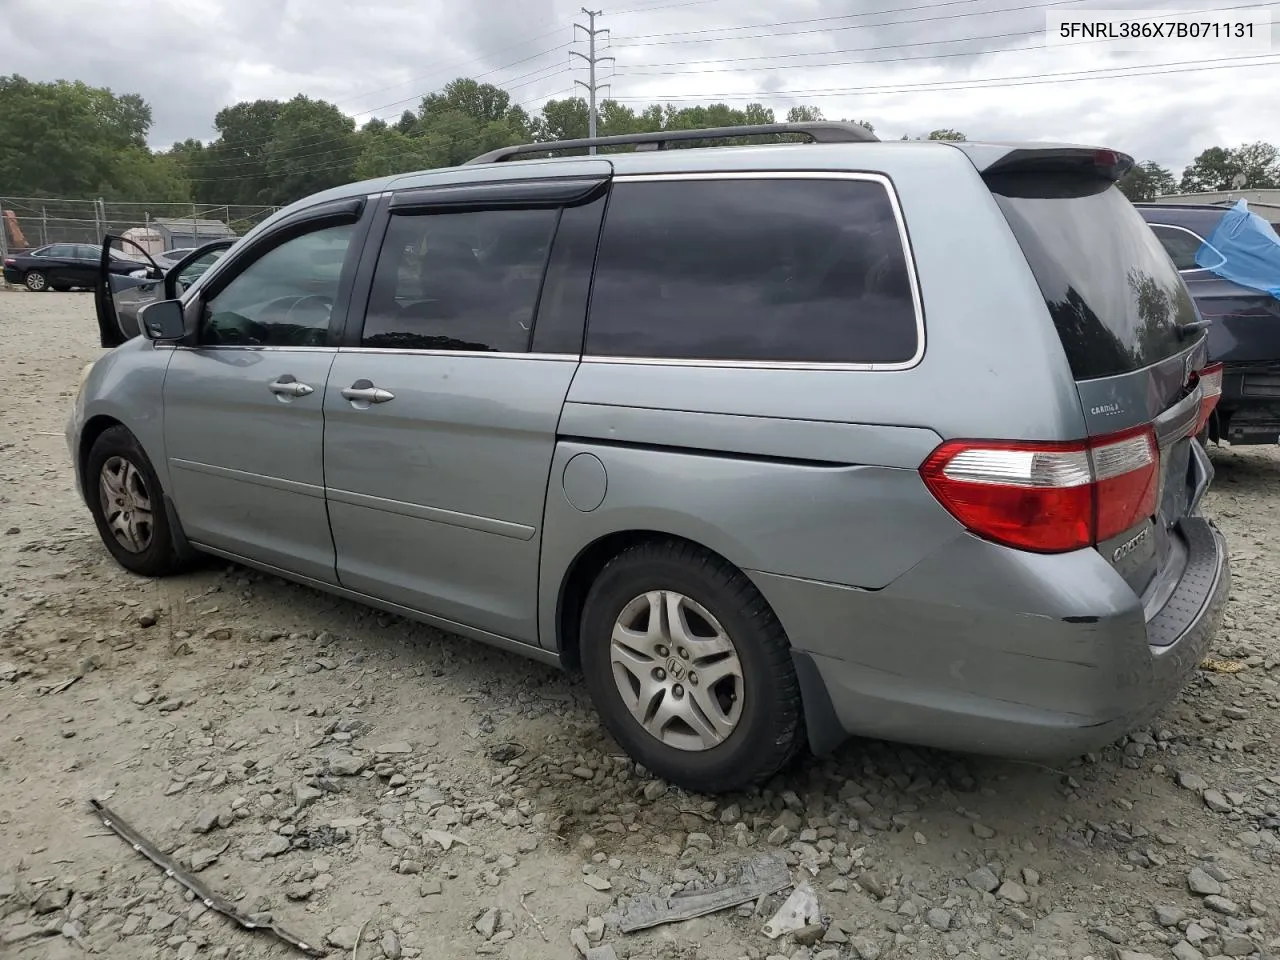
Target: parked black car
1244	330
61	266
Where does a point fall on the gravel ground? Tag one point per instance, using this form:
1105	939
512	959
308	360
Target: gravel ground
363	778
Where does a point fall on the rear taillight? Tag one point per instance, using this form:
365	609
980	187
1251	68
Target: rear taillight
1210	380
10	262
1047	497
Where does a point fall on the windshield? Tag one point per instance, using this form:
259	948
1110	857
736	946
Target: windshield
1114	293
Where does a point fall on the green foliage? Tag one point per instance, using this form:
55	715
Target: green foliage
312	147
68	139
1216	167
1146	181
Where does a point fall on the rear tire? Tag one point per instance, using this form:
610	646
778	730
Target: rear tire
36	281
735	725
128	505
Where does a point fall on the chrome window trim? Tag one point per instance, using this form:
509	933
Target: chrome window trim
497	355
1189	231
491	354
916	298
201	348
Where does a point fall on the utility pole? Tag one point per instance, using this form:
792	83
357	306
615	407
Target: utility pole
592	59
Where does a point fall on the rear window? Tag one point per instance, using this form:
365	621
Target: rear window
1113	292
754	269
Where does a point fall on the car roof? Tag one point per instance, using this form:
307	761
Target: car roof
850	156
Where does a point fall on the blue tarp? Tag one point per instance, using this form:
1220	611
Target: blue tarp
1249	249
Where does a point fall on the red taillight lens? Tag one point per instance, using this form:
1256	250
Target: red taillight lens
1047	497
9	261
1210	380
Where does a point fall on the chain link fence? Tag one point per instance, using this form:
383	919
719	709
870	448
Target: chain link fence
27	223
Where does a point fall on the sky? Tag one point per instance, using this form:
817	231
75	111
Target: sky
979	66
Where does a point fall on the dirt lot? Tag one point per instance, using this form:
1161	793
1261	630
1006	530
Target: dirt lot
347	771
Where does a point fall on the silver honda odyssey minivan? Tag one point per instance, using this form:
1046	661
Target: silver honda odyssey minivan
775	444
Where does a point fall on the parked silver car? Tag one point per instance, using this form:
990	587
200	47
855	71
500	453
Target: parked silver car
756	438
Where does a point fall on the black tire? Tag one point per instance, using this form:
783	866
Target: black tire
770	729
158	556
36	281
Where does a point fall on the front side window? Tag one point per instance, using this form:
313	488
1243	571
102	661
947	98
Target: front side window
284	298
459	281
774	270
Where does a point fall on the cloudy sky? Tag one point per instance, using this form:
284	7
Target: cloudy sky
980	66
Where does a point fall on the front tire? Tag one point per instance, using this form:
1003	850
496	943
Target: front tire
127	504
690	670
36	281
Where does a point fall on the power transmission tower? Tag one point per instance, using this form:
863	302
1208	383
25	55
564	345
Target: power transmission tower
592	59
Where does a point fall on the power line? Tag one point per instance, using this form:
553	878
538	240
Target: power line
441	71
683	36
592	58
657	38
984	83
841	63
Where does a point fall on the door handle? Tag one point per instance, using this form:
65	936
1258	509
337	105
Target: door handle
362	391
288	386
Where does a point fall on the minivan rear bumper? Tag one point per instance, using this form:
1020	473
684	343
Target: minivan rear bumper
993	651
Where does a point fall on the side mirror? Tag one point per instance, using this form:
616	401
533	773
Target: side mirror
163	320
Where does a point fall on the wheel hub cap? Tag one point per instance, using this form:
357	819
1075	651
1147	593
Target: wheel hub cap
126	504
677	670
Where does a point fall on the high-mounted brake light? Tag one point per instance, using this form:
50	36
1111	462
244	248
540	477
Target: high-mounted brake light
1210	380
1047	497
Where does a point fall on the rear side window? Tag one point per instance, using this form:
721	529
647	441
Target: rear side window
782	270
1113	292
459	281
1181	245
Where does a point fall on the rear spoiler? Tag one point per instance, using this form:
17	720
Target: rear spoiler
997	158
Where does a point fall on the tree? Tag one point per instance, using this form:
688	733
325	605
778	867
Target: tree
945	134
387	152
803	114
1146	181
312	148
66	138
233	169
1217	167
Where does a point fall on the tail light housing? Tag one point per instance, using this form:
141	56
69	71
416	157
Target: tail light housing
1048	497
1210	380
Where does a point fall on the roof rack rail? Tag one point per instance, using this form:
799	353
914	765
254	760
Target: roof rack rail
818	131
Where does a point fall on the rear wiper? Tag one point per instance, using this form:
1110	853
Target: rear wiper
1195	326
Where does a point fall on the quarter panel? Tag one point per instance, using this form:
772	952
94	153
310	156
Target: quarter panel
861	525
